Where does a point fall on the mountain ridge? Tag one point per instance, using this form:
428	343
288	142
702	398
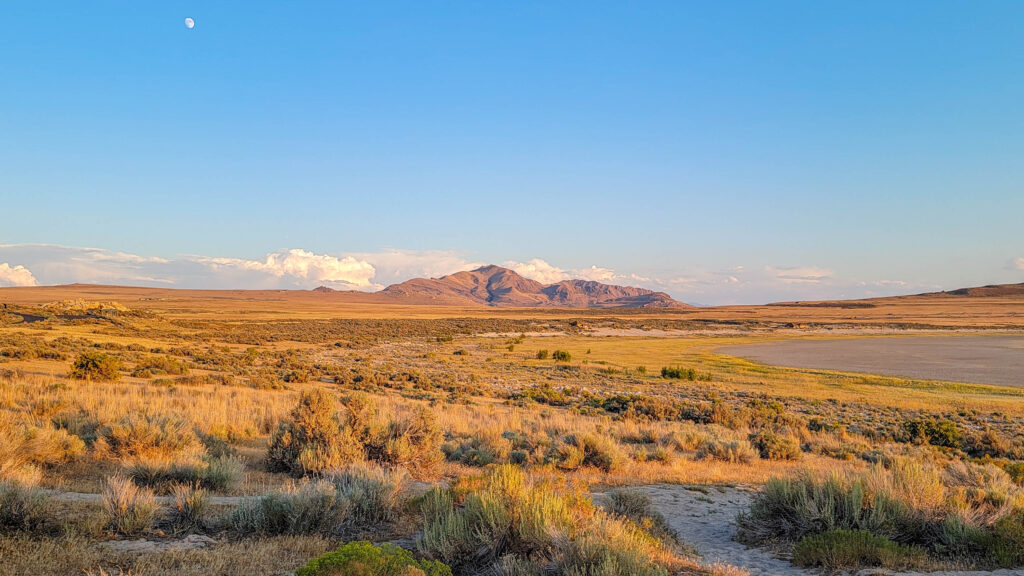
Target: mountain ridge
493	285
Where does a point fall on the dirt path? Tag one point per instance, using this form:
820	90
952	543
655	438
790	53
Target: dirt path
705	518
707	521
86	497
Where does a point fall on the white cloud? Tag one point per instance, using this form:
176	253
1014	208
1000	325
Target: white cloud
805	274
538	270
398	265
1019	263
597	274
299	265
15	275
546	273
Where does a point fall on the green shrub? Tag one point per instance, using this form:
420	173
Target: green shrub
96	366
933	431
678	373
543	354
561	356
365	559
1006	548
484	447
774	446
851	549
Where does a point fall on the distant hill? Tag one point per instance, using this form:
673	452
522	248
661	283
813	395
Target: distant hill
497	286
992	290
1011	292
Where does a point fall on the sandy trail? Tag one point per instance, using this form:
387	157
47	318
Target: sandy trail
708	523
705	518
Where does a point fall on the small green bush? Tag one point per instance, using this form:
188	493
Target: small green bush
561	356
1006	549
851	549
933	431
96	366
543	354
677	373
365	559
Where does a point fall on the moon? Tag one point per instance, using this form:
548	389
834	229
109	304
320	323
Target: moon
190	23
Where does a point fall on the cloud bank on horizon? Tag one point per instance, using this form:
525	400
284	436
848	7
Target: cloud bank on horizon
296	268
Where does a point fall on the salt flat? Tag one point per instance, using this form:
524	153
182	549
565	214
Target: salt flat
990	359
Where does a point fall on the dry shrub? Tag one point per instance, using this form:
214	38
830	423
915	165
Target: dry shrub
345	503
486	446
143	436
211	473
412	443
601	452
313	441
317	440
25	448
22	507
772	445
734	451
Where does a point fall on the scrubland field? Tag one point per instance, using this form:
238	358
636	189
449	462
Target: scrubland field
172	432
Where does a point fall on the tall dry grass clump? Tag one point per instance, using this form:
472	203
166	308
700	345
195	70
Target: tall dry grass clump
130	510
508	523
188	508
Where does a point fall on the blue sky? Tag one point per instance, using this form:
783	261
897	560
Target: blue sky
723	152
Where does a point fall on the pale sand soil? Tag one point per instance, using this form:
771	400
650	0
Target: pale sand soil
708	523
